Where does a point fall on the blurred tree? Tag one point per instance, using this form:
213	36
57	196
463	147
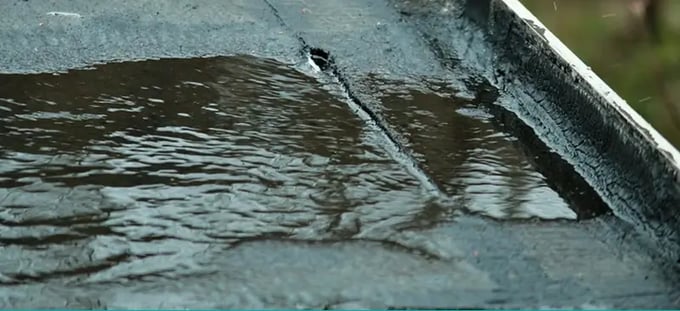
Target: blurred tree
648	12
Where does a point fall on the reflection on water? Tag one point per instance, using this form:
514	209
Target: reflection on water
467	156
131	171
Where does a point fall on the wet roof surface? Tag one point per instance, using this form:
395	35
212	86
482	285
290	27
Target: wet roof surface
258	181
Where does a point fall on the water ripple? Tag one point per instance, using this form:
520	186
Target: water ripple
132	171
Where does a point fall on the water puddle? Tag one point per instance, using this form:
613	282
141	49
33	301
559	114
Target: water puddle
477	161
129	171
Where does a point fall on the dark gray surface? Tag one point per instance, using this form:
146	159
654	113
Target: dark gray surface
35	41
634	169
467	262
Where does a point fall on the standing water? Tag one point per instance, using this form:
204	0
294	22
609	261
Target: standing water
131	172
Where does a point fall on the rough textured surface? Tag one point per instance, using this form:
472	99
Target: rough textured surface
36	41
581	120
599	262
597	133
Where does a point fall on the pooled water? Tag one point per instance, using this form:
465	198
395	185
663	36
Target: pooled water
134	172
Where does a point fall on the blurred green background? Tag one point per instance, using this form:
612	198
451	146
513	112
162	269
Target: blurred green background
608	36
